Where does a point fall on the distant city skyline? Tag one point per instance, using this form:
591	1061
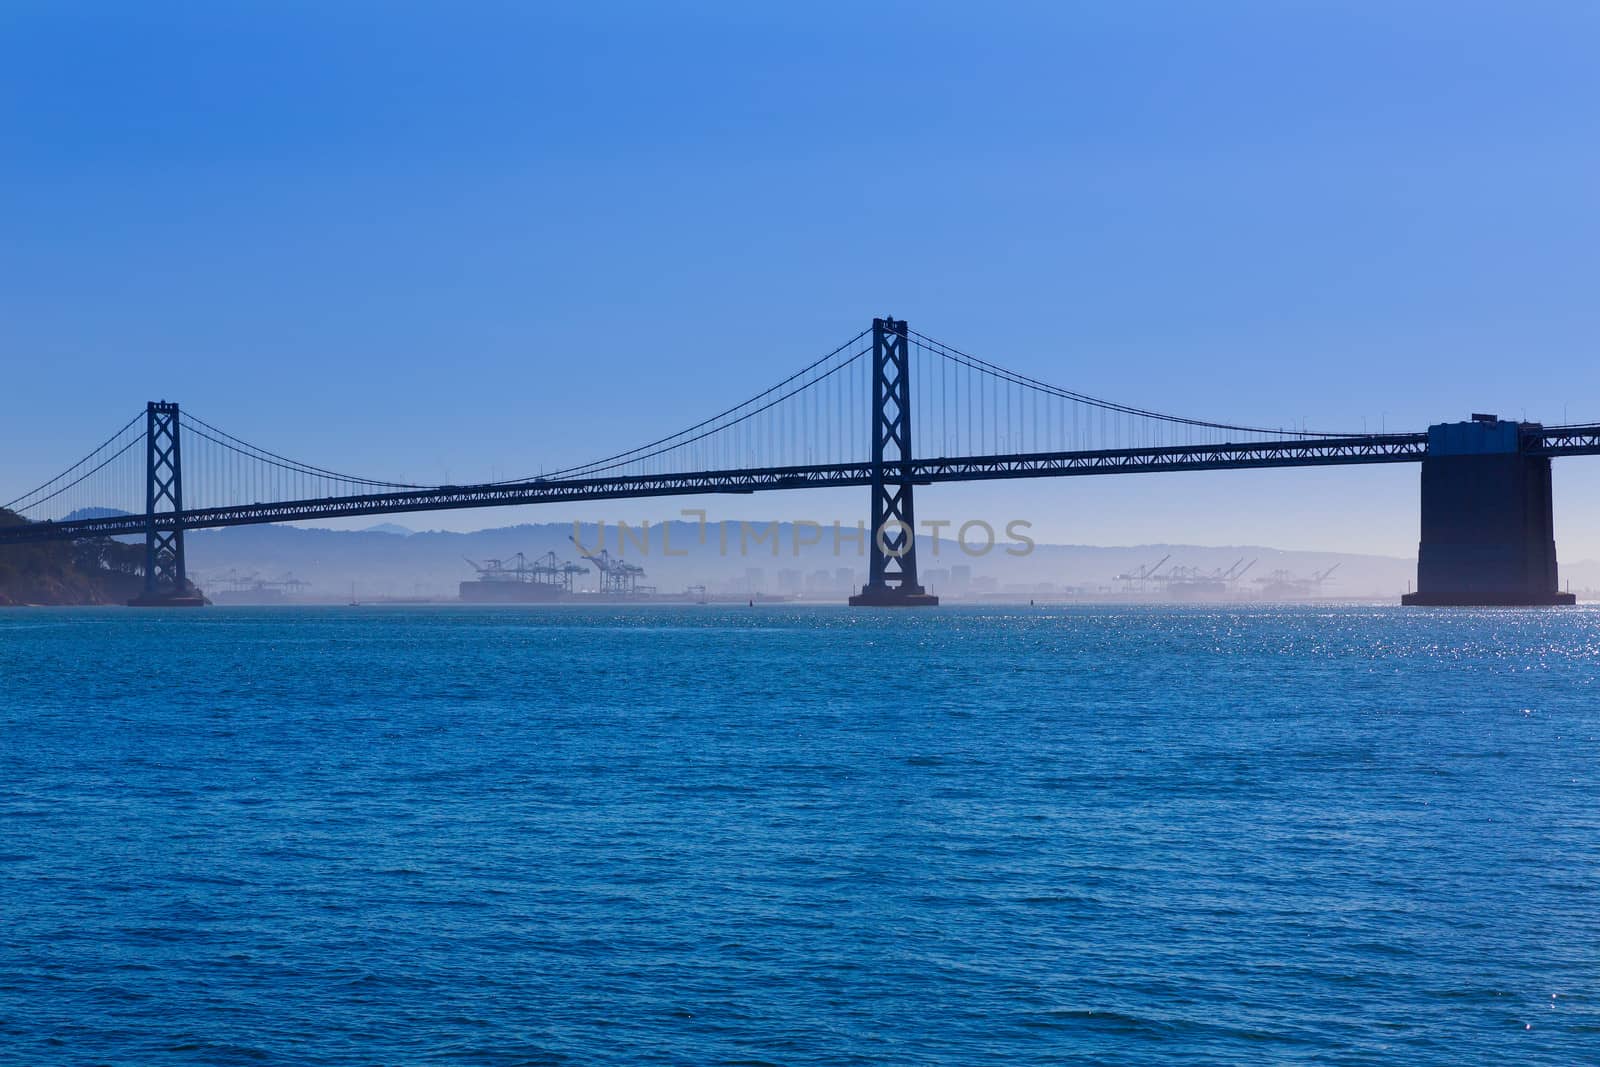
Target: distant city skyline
439	248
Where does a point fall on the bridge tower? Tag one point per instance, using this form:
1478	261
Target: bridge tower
166	582
892	538
1488	530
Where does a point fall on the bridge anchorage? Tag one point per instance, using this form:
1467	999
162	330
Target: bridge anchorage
1488	526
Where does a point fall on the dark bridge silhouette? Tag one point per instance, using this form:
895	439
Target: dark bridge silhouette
851	418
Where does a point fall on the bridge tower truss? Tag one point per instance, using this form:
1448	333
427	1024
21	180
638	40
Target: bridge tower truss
166	580
892	539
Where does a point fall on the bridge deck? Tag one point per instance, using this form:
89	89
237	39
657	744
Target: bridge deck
1296	452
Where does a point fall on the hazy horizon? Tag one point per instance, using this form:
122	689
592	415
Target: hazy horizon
774	557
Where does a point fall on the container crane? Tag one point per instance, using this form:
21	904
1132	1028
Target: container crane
544	570
617	577
550	569
1143	574
514	569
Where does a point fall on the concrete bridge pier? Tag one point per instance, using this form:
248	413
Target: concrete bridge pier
1488	531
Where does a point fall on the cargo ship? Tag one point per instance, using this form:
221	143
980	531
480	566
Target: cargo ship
519	580
548	580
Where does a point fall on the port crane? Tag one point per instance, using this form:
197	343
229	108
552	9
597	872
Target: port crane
617	577
1235	573
543	570
1143	574
514	569
556	572
254	583
1283	583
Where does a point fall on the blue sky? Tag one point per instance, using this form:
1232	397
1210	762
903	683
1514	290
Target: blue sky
446	242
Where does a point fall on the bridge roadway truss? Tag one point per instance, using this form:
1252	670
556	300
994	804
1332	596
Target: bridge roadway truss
1555	441
1297	452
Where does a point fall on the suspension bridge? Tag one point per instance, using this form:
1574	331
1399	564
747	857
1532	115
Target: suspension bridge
889	410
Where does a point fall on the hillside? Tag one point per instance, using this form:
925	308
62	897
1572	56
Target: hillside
61	572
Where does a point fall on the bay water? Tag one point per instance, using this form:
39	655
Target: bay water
799	835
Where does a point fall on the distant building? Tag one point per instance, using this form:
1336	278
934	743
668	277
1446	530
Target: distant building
789	581
960	579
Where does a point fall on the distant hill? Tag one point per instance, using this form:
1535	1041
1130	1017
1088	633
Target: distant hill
95	513
100	571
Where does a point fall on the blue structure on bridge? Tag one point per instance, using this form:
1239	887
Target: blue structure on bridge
889	410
